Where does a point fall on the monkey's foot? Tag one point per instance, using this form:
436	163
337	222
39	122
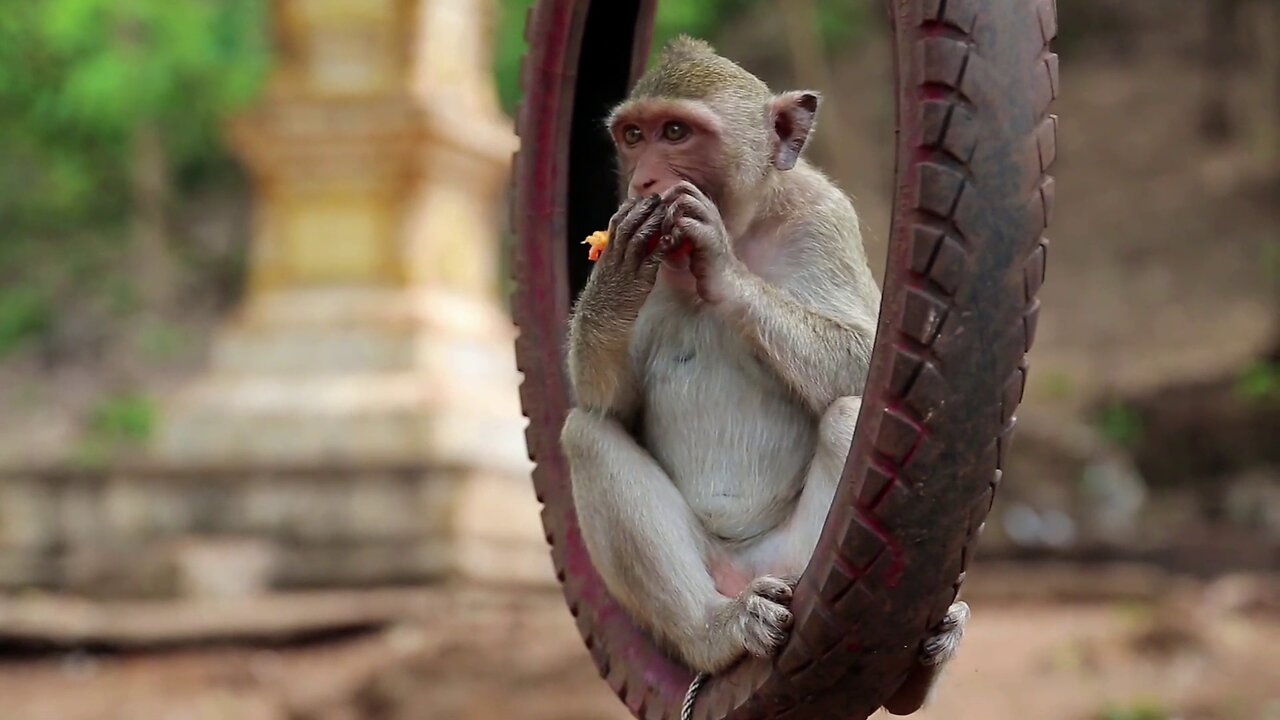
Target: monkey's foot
943	644
759	618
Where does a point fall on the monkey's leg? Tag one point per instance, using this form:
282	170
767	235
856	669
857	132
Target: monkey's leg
786	551
653	552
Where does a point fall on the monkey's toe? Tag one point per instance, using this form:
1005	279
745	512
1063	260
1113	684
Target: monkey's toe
771	588
956	617
942	646
765	625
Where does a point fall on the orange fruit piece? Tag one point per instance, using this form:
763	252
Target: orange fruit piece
597	240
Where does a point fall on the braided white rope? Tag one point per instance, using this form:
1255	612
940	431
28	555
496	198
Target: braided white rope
691	696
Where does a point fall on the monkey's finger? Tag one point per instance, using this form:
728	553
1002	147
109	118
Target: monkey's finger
693	231
641	246
611	259
667	244
638	214
621	213
619	239
772	588
690	206
623	208
670	218
653	261
686	189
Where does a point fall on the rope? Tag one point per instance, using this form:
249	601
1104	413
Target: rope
691	696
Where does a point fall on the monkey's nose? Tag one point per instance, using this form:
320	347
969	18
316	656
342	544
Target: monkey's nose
643	187
653	186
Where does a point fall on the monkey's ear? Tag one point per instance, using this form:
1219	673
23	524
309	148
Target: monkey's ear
793	116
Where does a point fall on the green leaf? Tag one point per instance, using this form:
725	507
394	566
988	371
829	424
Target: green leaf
126	418
1120	423
1260	381
1143	709
24	313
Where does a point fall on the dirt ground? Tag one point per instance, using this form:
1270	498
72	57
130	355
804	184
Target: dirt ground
507	660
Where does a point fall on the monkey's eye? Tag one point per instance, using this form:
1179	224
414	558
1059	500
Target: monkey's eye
675	131
631	135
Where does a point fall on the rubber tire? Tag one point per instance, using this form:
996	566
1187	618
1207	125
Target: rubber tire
975	80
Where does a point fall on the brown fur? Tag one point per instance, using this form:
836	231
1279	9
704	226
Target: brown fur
691	69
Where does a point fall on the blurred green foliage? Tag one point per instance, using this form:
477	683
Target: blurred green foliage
837	21
1057	385
1145	709
126	418
1120	423
77	78
1259	381
24	312
160	341
116	424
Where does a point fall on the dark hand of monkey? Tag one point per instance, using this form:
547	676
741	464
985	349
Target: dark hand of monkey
693	220
629	266
601	327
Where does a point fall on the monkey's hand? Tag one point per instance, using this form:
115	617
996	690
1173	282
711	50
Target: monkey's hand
693	220
600	330
628	267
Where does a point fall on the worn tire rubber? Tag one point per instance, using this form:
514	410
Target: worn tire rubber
975	80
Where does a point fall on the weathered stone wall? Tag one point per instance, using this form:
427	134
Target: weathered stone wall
148	531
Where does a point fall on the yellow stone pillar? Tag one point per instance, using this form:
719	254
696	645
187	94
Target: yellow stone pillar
372	331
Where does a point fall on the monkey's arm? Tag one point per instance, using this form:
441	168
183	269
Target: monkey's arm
819	356
600	331
813	330
600	369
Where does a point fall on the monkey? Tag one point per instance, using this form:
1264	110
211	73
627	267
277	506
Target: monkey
716	355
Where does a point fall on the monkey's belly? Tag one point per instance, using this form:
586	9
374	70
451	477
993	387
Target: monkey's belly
735	445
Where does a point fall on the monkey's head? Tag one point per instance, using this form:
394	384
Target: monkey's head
699	117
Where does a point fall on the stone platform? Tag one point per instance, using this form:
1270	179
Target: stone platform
157	531
354	376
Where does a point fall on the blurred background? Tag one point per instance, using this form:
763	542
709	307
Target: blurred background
261	453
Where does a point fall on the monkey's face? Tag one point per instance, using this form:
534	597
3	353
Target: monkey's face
662	142
728	147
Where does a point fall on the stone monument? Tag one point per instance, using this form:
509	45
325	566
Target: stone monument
372	335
